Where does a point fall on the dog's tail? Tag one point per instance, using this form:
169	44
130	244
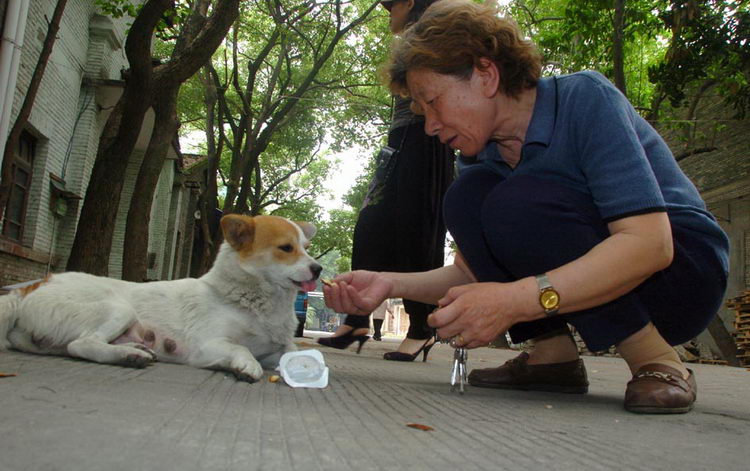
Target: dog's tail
8	310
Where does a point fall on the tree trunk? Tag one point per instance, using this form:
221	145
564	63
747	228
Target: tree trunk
209	200
96	225
724	341
618	56
196	44
6	177
135	249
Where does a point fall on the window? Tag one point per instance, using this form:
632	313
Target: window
21	168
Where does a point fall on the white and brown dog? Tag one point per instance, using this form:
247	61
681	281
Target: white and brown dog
238	317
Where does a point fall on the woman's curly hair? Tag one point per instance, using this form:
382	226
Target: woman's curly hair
453	35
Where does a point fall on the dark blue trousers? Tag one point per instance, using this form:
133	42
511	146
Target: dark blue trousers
524	226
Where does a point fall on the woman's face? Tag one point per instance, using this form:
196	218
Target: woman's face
399	14
461	112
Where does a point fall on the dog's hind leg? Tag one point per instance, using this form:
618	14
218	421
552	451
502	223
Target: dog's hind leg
95	349
95	345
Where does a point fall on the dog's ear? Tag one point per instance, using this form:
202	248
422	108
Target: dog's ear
308	229
239	231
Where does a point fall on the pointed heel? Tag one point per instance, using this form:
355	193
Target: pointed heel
400	356
426	351
361	339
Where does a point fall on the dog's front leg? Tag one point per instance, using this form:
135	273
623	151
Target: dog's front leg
225	355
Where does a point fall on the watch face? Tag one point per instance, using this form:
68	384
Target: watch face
549	299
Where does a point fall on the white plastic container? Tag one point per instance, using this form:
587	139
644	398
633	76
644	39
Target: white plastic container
304	369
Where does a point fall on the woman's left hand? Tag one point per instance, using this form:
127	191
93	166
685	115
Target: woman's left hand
478	312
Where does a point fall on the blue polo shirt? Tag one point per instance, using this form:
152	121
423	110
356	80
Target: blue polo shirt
584	134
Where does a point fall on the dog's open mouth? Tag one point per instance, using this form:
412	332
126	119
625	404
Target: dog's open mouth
308	285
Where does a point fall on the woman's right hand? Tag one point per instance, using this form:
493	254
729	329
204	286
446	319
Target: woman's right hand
357	292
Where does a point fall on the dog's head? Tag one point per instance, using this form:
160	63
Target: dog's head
273	247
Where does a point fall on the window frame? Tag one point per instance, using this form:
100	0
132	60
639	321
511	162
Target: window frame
23	158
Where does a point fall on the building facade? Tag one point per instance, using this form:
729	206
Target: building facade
81	84
710	141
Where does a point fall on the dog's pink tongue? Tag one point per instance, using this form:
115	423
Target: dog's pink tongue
308	285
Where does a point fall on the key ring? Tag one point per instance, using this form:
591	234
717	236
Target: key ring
458	372
458	375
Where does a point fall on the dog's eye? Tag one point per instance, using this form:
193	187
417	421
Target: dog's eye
286	248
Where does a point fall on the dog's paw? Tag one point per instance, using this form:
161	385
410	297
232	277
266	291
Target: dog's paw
140	356
146	350
250	371
136	361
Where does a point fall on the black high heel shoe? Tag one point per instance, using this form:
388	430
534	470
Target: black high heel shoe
343	341
401	356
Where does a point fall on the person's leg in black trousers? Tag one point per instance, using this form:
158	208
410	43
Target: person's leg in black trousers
377	326
401	227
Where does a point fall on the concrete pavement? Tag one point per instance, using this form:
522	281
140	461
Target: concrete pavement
64	414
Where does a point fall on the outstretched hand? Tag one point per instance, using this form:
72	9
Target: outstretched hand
478	312
357	292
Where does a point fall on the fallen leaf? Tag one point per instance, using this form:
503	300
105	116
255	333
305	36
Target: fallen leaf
7	375
426	428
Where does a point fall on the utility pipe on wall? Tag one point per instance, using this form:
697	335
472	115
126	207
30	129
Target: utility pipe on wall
10	56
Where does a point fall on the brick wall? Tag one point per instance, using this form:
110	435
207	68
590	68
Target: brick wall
714	128
64	120
71	108
720	168
721	172
159	218
18	264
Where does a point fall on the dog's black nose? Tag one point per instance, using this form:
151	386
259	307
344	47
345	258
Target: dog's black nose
316	269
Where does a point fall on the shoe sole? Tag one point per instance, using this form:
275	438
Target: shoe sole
658	410
534	387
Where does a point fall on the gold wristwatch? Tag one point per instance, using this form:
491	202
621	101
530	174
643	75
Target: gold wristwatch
549	298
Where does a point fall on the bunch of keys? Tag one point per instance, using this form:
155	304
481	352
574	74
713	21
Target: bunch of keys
458	373
459	369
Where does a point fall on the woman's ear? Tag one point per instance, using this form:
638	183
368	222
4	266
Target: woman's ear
410	4
489	75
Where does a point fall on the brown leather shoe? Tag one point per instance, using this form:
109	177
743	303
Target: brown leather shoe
660	389
567	377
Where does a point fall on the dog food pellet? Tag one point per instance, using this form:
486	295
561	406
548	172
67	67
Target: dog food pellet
274	378
326	282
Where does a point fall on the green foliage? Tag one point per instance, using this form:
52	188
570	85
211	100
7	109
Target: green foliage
168	27
578	35
709	43
118	8
343	264
274	49
669	45
355	197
